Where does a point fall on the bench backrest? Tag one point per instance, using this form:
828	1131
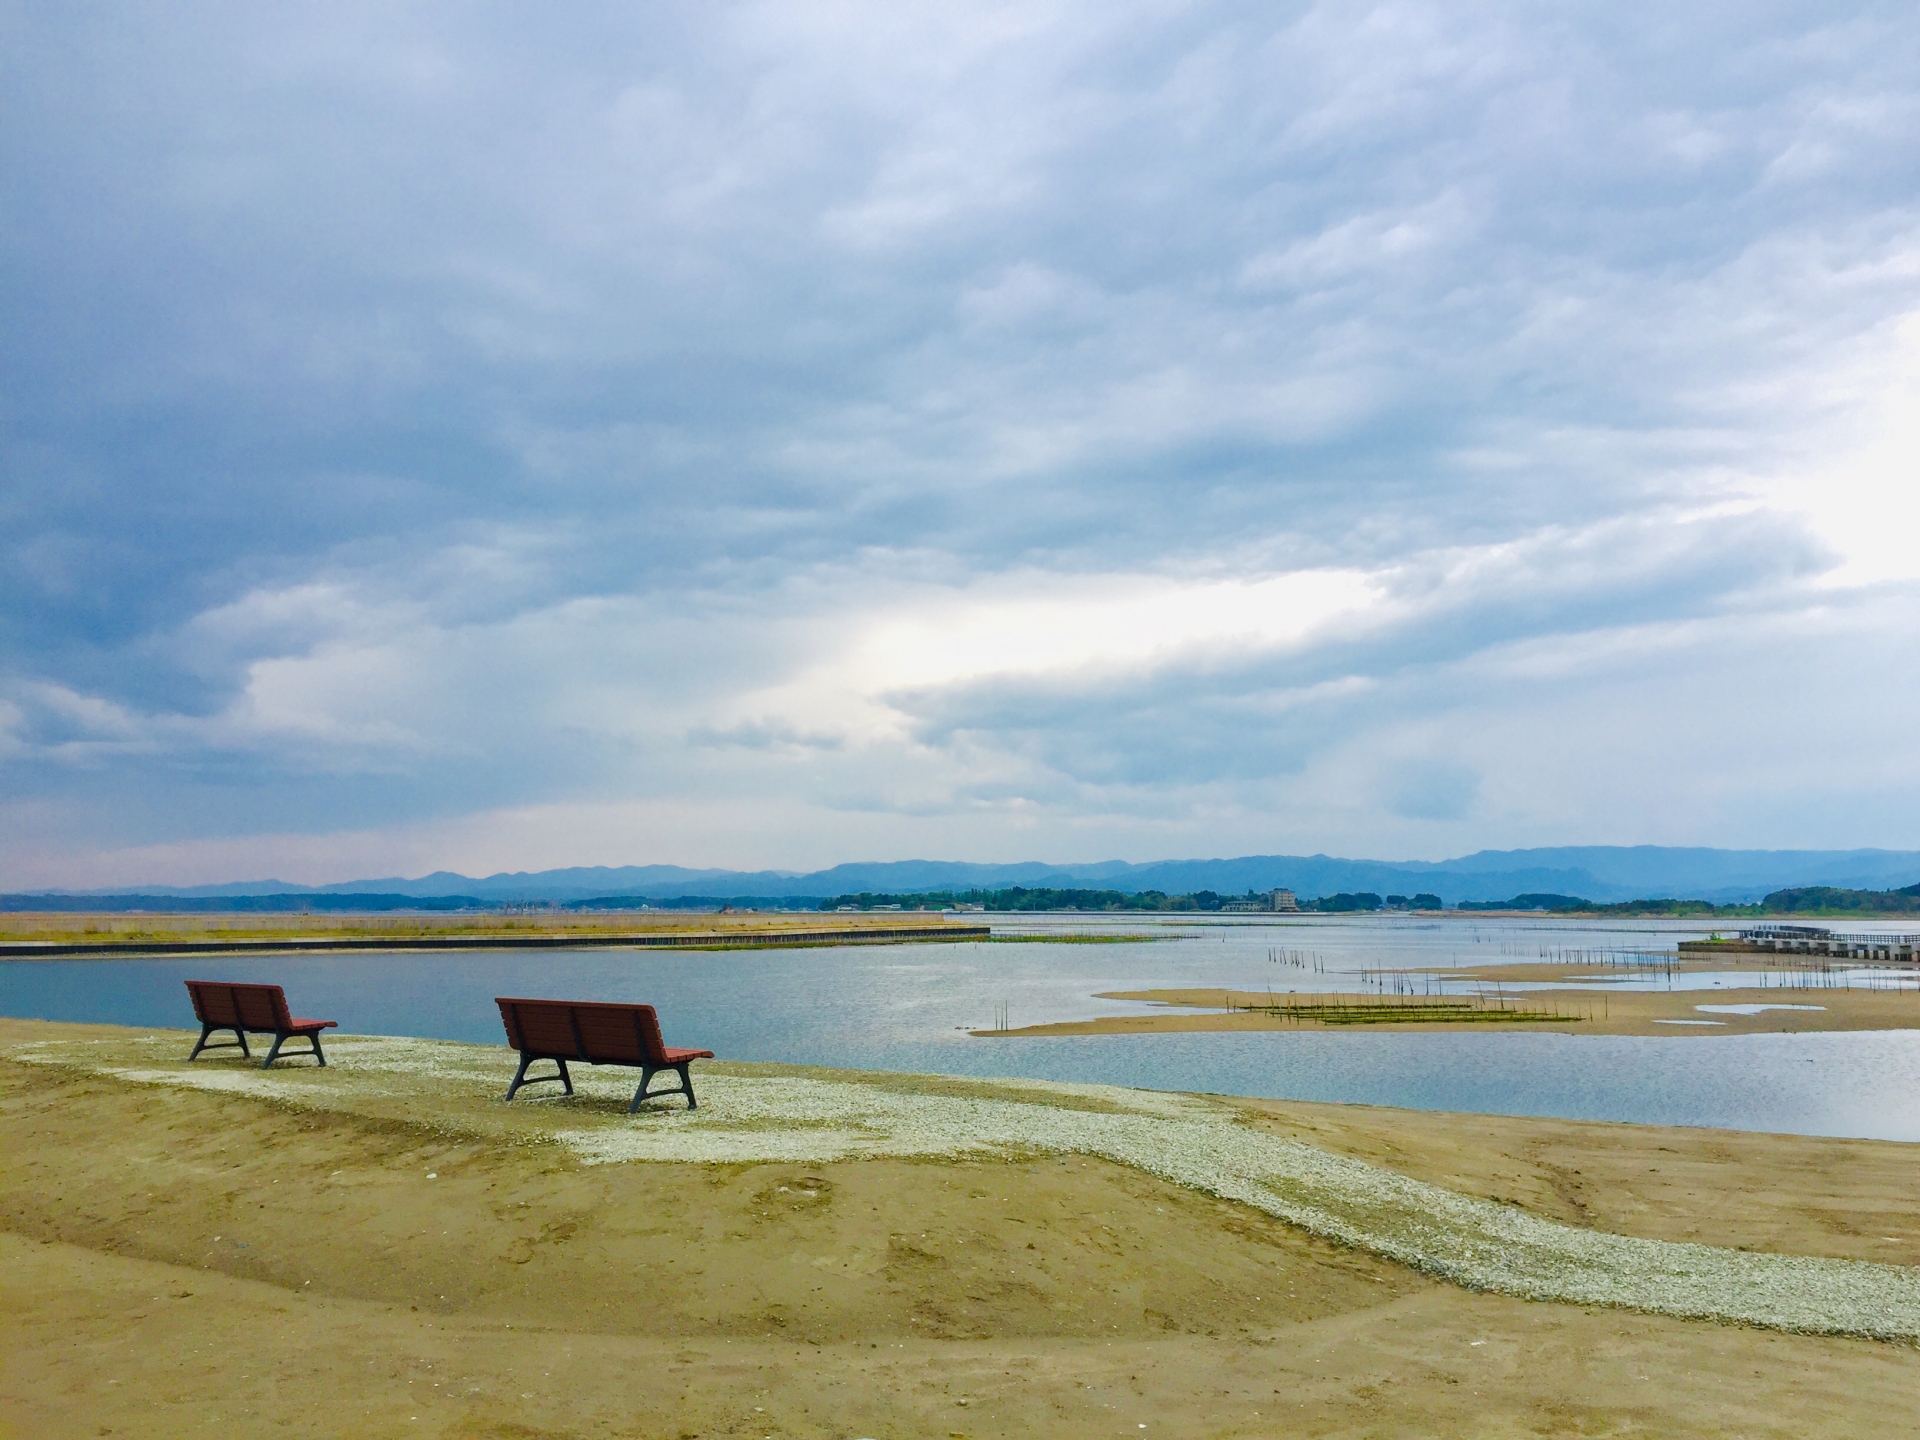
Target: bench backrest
584	1030
250	1007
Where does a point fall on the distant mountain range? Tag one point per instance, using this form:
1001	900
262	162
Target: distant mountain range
1604	873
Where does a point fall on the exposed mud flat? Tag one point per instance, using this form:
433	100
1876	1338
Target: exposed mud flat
1580	1011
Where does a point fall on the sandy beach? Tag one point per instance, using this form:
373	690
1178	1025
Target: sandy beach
383	1248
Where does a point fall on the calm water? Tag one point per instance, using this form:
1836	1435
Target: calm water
908	1008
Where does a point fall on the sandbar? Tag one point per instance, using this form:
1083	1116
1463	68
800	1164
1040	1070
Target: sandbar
1570	1010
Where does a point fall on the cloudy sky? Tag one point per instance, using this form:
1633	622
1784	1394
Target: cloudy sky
773	435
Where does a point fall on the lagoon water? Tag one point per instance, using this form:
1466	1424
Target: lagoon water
909	1007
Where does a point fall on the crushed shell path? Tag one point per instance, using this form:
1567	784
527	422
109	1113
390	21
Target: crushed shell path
1203	1144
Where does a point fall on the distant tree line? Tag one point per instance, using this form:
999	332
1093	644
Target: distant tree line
1367	900
1533	901
1800	900
695	902
1826	900
1021	897
1803	900
1016	898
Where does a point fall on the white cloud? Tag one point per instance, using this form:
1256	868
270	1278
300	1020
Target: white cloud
1860	489
1038	624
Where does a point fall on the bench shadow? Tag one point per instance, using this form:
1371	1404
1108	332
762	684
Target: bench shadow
206	1060
614	1105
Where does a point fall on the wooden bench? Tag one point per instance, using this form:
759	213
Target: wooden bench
259	1008
598	1034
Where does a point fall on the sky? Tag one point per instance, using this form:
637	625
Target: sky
497	437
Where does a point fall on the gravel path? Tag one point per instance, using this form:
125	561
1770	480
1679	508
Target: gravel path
1203	1144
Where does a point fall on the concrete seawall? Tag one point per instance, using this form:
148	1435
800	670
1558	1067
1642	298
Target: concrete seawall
741	940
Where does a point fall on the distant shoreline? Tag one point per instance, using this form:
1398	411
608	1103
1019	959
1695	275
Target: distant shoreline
742	939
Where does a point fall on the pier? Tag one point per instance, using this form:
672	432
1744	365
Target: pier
1817	940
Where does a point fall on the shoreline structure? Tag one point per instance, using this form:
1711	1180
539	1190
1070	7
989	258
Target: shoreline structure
76	935
697	940
1815	940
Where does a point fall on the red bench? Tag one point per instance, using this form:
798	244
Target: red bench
259	1008
598	1034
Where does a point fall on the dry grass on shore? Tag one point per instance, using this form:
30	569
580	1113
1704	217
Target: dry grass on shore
72	928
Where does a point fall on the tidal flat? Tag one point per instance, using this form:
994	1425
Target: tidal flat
1573	1001
383	1247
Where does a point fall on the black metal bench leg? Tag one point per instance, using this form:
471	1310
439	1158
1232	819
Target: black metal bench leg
206	1031
280	1037
647	1072
520	1075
